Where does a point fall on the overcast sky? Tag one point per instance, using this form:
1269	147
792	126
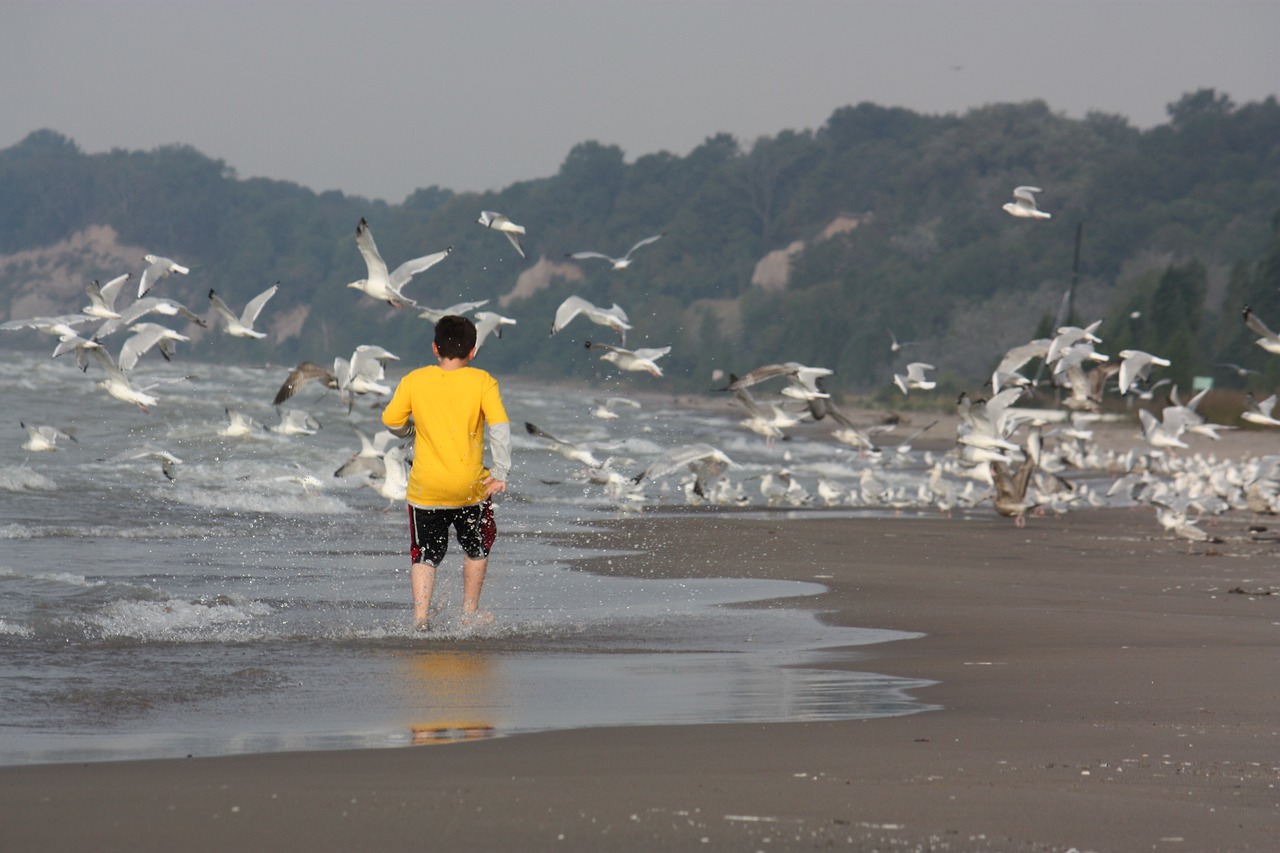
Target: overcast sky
379	98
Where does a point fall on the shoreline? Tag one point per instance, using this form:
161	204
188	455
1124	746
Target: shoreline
1102	688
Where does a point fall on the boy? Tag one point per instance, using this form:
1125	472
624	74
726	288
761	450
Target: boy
448	406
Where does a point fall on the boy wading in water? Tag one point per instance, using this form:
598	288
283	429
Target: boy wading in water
447	406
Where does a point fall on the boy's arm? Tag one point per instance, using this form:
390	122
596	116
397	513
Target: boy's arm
397	417
500	450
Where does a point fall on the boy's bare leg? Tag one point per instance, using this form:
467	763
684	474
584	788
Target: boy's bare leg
472	583
422	577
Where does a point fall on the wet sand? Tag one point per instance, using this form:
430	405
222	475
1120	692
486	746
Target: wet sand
1102	689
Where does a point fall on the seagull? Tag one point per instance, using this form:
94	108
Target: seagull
145	336
704	460
1241	372
894	345
1007	371
1024	204
614	318
618	263
1259	411
1164	433
239	424
1069	336
567	449
385	286
369	459
394	485
102	298
1269	341
766	419
853	435
80	346
116	383
499	222
489	323
306	371
915	377
41	437
158	267
365	372
640	359
168	462
142	307
1136	366
296	422
61	327
1011	489
436	314
606	409
242	326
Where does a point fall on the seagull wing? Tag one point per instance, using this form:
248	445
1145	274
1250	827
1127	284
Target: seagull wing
409	269
570	308
646	241
369	250
254	306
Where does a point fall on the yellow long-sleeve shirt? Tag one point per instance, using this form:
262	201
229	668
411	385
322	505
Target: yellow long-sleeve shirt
450	409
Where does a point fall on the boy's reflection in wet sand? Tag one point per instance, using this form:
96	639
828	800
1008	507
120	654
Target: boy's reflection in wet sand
454	692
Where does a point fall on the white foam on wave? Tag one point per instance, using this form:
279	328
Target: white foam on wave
172	618
12	630
63	531
263	502
67	579
23	479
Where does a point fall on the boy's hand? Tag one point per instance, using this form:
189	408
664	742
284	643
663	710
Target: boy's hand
493	487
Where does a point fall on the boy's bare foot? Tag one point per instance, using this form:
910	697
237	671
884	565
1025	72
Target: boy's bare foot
423	624
477	617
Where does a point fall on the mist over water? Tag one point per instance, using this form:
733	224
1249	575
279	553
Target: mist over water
238	609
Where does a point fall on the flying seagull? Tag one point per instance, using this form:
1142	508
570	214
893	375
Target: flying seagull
640	359
242	326
385	286
1269	341
499	222
1023	205
618	263
305	372
158	267
614	318
102	297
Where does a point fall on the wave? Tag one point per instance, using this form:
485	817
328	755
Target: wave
23	479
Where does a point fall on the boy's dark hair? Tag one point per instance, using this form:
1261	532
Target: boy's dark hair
455	336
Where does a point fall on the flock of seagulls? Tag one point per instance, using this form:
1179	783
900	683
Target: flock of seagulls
1021	457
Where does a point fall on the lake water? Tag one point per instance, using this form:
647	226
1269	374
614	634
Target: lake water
238	608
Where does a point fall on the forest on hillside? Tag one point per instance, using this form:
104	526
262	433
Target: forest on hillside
880	220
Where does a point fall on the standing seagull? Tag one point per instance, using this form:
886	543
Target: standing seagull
158	268
242	326
1023	205
499	222
618	263
386	286
615	318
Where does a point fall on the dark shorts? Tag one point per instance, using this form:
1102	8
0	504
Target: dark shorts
429	531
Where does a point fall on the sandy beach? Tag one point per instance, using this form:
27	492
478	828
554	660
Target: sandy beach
1102	688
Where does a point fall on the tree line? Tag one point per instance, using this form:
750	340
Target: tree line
1179	230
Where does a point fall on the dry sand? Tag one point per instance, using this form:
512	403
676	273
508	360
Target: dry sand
1102	689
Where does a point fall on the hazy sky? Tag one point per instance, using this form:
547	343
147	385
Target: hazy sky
379	98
